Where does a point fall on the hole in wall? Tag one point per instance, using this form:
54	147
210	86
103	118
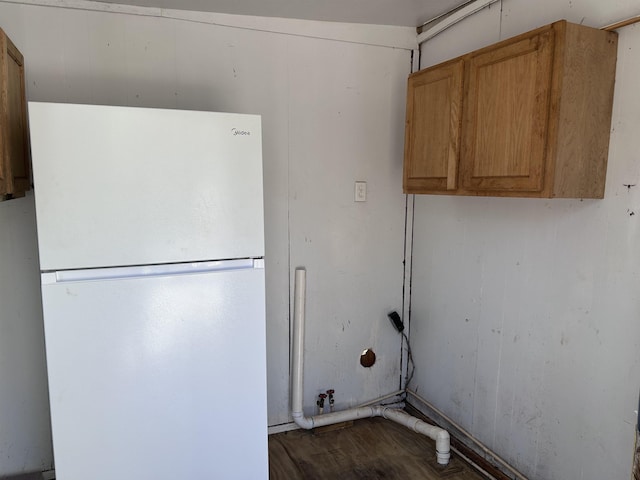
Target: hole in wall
367	358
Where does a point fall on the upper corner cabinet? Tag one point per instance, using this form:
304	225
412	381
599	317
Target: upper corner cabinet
15	177
527	117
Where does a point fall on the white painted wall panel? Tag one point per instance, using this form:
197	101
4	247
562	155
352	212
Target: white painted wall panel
297	84
520	16
25	432
524	323
477	31
345	109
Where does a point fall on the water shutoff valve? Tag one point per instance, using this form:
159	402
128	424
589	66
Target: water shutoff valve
320	403
330	393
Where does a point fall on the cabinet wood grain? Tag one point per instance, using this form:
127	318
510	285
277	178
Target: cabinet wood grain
433	128
536	116
15	178
506	116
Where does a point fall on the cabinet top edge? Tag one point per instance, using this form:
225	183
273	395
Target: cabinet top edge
446	63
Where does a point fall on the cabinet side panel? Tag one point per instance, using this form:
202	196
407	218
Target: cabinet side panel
17	138
586	103
408	124
16	133
5	173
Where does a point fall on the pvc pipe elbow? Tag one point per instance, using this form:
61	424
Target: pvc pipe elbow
302	421
440	436
443	447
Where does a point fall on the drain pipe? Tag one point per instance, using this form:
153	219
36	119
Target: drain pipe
440	436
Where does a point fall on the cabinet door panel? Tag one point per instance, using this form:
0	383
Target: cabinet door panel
14	146
506	116
433	128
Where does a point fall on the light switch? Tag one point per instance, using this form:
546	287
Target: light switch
361	192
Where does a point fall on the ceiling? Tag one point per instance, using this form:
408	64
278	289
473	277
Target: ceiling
409	13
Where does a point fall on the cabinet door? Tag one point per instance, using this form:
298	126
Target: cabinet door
14	166
432	143
506	116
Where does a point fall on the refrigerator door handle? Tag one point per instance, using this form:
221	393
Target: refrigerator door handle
116	273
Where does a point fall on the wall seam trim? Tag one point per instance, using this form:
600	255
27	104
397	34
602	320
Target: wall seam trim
456	16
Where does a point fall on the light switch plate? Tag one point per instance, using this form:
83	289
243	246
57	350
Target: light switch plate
361	192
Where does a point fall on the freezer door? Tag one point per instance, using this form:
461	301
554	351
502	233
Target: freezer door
158	377
135	186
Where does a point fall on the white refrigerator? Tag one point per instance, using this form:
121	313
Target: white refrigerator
151	242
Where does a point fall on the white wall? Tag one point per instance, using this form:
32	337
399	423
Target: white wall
25	436
525	312
332	101
346	111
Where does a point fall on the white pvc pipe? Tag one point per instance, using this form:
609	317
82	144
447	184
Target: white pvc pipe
486	450
440	436
298	345
455	17
381	399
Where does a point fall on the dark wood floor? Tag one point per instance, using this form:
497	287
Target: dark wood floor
369	449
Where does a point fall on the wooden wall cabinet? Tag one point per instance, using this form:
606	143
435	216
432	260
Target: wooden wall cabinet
527	117
15	177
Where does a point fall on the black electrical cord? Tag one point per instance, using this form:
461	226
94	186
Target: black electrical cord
413	365
397	323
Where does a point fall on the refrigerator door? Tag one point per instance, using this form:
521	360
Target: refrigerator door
134	186
156	376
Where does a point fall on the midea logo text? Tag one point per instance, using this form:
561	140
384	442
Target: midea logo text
235	131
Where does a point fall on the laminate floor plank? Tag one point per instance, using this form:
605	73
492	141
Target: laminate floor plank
371	449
